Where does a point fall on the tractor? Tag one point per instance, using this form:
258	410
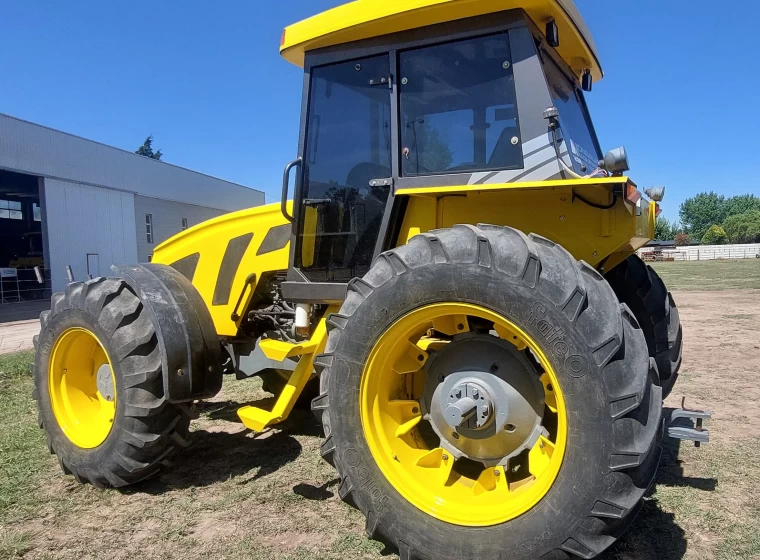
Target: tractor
454	279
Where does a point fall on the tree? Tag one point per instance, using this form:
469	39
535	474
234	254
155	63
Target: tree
682	239
715	235
741	204
664	230
147	149
743	228
701	211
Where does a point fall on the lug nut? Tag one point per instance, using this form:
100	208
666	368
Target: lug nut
496	472
445	457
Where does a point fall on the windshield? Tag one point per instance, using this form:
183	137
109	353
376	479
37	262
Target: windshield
457	104
574	120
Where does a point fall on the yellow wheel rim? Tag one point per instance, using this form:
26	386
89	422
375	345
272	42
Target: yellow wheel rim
454	489
83	412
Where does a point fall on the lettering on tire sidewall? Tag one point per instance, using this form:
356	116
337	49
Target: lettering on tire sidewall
573	363
361	477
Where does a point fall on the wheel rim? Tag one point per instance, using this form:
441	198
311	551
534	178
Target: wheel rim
420	427
82	388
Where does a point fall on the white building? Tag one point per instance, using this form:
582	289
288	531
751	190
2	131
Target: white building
65	200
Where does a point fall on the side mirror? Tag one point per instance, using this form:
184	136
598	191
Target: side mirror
552	33
587	80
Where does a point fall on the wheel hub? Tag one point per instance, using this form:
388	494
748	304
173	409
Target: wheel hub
483	399
105	382
469	405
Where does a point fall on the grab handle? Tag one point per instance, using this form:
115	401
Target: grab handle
285	179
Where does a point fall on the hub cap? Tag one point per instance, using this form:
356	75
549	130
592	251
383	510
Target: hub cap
463	414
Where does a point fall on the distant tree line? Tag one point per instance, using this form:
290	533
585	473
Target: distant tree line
713	219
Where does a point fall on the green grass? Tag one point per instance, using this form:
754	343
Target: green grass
271	497
23	456
710	275
13	544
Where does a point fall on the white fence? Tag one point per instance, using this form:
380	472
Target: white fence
708	252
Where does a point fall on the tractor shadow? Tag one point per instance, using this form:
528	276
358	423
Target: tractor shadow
655	532
216	456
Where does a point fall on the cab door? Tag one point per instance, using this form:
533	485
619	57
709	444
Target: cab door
347	157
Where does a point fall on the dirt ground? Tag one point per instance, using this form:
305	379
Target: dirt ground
233	495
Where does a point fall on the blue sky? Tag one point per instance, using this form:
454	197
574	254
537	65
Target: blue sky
681	90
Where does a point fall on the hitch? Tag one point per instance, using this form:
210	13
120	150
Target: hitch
687	424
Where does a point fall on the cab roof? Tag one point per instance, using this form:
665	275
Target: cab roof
363	19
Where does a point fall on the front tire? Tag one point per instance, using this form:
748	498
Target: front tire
109	432
596	347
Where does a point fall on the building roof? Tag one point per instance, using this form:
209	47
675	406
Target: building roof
363	19
661	244
34	149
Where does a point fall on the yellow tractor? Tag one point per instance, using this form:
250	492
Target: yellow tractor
457	268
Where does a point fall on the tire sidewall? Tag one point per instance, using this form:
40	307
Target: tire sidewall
66	449
547	525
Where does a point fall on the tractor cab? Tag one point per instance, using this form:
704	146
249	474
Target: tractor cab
436	94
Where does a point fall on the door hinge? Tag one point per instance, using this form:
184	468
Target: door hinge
382	81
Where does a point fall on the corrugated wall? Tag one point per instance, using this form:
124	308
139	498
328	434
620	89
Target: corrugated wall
82	219
167	221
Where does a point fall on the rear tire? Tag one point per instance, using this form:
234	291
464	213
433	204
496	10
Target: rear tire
146	429
613	402
638	286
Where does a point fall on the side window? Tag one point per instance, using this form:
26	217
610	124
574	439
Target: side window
149	227
11	210
577	131
458	111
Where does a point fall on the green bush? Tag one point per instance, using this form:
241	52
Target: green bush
716	235
743	228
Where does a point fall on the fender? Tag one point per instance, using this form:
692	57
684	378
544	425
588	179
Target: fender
191	353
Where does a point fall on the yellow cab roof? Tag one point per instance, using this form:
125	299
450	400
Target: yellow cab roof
363	19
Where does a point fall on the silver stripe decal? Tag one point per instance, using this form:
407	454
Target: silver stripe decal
484	178
533	157
538	150
533	162
543	172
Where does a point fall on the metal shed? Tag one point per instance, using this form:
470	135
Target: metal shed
69	201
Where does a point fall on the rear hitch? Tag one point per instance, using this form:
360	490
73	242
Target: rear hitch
687	424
